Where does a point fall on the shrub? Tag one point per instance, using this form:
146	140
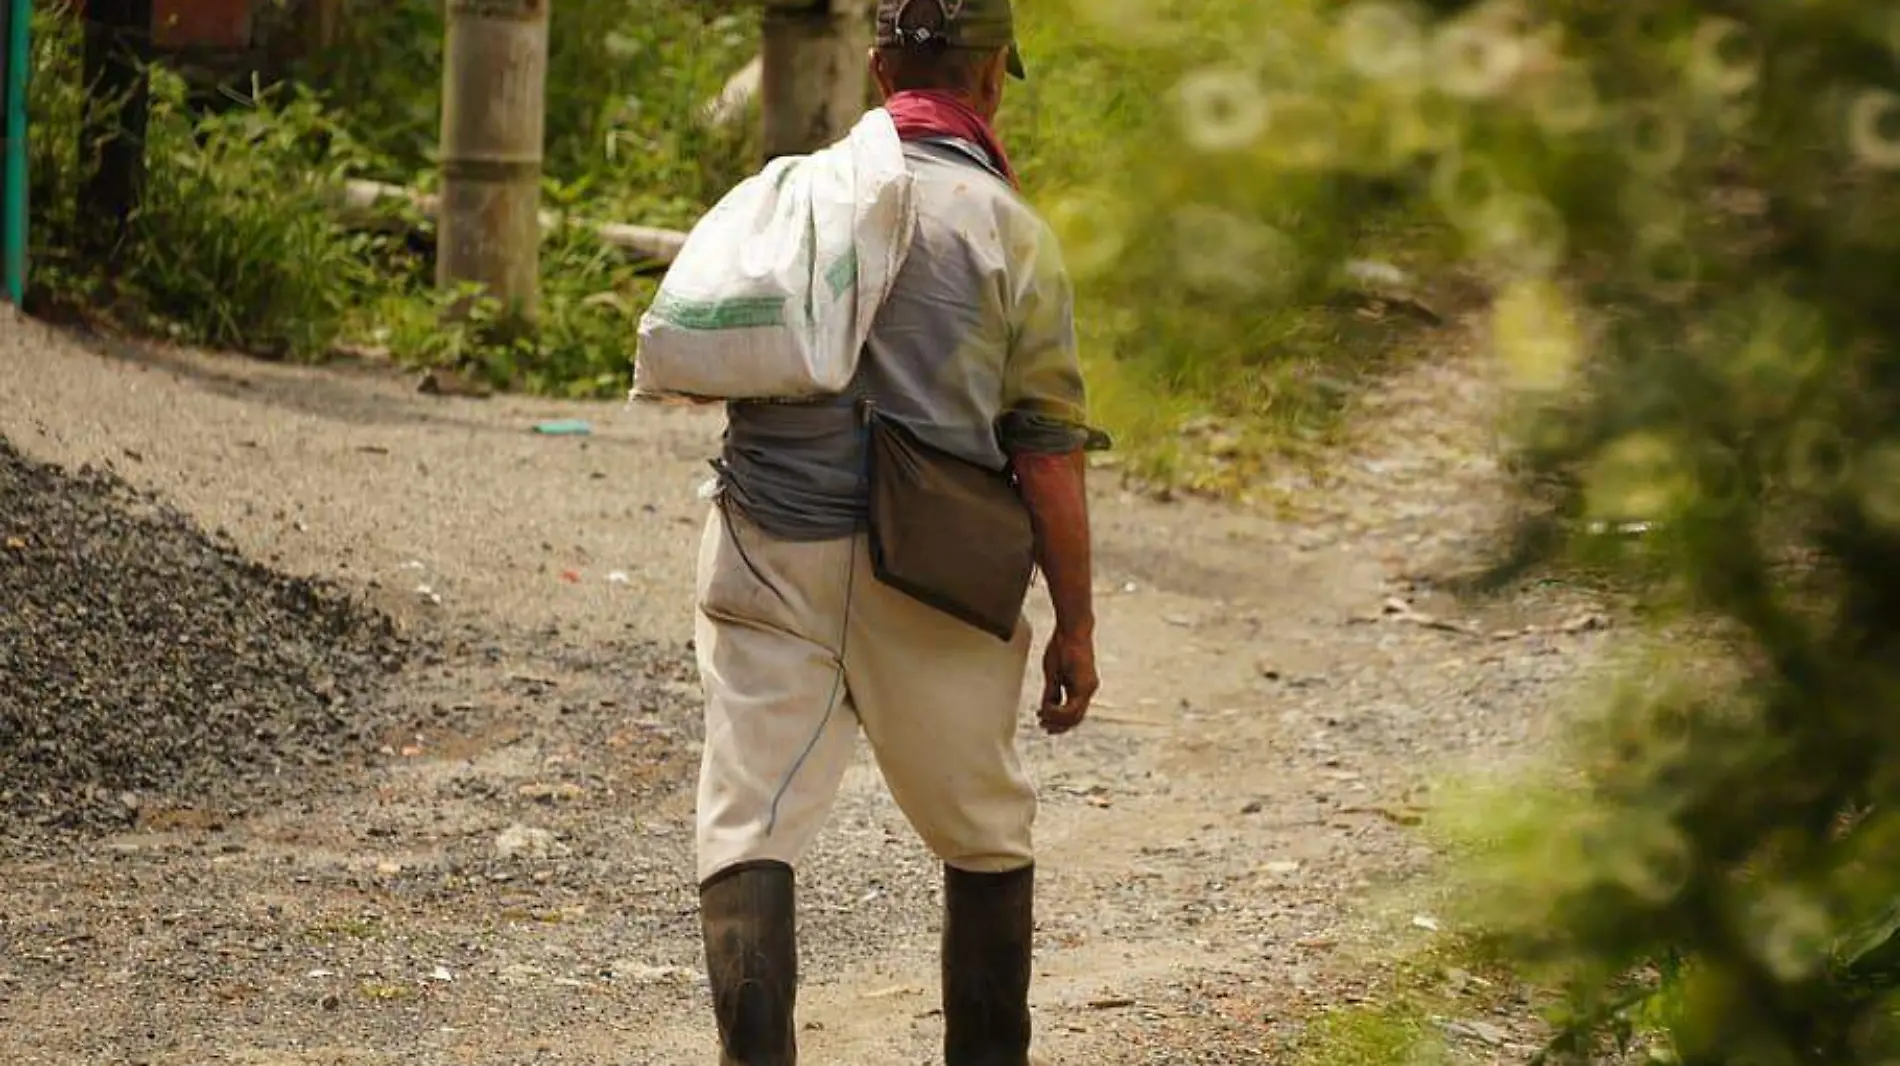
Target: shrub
233	243
1689	212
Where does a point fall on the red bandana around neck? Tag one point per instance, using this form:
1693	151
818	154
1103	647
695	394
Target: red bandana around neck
921	114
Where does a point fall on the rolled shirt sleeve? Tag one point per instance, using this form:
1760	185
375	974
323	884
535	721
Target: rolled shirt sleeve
1045	402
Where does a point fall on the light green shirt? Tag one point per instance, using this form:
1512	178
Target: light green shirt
974	350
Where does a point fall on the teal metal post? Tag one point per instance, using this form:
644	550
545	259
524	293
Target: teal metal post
13	202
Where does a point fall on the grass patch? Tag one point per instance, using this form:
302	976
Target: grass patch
1368	1036
385	991
1439	1005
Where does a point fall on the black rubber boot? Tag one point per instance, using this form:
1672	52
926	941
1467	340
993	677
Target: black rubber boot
747	922
989	921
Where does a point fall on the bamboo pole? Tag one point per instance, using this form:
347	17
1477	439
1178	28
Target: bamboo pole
812	73
493	116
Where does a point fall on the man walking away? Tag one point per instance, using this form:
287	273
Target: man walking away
799	641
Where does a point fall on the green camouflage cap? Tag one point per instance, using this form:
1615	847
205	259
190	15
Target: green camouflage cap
949	24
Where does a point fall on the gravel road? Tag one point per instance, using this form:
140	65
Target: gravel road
414	784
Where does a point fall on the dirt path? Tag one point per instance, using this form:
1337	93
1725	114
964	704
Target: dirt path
505	879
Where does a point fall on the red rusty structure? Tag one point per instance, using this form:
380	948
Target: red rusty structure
191	25
200	26
194	25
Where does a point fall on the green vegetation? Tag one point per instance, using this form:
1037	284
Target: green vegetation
238	246
1357	1035
1210	290
1436	1006
627	79
1689	212
234	246
238	243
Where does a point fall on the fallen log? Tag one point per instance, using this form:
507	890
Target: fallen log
362	204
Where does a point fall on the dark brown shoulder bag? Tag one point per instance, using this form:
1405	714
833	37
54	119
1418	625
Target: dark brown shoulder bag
948	532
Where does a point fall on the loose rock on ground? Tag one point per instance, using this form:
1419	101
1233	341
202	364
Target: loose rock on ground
145	663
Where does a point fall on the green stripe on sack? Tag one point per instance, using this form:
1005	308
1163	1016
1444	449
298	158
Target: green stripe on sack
749	313
843	273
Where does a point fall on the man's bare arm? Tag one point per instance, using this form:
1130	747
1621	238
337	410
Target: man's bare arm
1055	489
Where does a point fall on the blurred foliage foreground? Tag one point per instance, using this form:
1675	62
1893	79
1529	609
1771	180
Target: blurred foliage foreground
1689	213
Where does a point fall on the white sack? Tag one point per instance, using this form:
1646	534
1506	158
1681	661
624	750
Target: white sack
773	294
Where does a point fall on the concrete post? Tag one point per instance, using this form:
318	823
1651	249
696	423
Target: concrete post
493	116
813	82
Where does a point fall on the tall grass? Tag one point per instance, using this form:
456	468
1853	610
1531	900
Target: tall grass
236	244
233	244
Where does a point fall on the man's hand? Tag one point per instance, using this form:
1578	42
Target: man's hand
1069	681
1055	489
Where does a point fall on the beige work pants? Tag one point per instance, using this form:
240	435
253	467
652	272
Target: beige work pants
798	645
